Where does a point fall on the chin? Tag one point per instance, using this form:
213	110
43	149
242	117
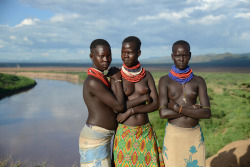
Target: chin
181	67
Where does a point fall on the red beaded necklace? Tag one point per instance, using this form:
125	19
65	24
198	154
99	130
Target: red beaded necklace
92	71
133	74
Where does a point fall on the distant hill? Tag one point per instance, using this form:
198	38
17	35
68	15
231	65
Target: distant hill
211	60
225	58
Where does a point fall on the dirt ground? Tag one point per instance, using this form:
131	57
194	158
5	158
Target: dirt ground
44	72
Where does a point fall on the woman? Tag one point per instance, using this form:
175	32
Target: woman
135	141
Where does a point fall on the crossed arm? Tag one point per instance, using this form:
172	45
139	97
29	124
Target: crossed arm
171	110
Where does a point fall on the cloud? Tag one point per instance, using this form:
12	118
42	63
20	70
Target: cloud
243	15
63	17
27	22
206	24
13	37
208	20
165	15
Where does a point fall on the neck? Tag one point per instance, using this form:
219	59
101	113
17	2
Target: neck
101	71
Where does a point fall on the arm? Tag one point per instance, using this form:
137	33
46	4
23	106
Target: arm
133	102
139	100
147	108
164	111
105	95
197	113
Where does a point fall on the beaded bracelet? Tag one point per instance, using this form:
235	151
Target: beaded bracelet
118	81
161	107
180	109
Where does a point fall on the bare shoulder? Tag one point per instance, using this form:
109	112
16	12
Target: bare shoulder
199	79
92	83
148	74
164	79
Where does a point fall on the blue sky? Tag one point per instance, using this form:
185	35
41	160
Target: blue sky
63	29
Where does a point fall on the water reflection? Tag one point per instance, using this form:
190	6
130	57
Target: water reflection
43	123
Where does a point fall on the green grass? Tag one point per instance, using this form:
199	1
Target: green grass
10	84
229	95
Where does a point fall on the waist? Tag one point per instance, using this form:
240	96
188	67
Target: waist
185	122
137	120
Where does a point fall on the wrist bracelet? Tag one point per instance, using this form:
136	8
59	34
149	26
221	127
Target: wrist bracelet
118	80
180	109
133	112
161	107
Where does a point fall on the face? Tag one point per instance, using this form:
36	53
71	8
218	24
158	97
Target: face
130	54
101	57
181	56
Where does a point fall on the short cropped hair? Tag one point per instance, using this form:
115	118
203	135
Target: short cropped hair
134	39
98	42
180	42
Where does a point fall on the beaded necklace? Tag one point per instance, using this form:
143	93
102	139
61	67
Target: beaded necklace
133	74
98	74
182	77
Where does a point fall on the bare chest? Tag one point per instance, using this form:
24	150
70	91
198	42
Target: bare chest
186	93
135	89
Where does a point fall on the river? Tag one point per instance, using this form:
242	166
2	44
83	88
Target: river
43	124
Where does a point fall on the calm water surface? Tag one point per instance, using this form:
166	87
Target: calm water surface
44	123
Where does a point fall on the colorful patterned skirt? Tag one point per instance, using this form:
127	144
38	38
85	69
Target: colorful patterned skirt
95	146
183	147
137	146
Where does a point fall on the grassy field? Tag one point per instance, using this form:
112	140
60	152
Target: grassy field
10	84
229	95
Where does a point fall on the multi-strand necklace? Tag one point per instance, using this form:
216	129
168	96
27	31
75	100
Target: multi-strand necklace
133	74
98	74
182	77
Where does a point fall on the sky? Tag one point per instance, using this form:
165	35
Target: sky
62	30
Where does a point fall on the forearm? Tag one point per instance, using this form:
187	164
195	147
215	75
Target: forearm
134	102
146	108
196	113
119	96
166	113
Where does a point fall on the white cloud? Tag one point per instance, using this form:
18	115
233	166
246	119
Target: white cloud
63	17
245	36
12	37
157	23
243	15
208	20
27	22
165	15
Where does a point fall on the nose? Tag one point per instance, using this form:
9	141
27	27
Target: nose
181	58
105	58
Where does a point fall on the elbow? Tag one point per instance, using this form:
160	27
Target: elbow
163	115
208	115
155	106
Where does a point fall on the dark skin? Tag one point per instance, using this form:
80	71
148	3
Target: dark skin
100	99
171	95
132	91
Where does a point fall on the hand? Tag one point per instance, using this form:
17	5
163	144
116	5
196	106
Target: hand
123	116
171	105
147	98
114	73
